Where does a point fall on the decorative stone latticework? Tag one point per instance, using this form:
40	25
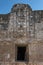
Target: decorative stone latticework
21	28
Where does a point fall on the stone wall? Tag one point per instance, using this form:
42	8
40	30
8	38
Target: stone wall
21	26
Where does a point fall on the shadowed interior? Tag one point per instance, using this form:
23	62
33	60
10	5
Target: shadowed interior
21	53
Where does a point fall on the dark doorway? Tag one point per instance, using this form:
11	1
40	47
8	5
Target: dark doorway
21	53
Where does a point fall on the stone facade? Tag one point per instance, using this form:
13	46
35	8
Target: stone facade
21	28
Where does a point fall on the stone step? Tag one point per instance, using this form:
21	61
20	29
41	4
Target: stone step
20	63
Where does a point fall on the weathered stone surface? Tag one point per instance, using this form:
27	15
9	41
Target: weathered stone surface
21	27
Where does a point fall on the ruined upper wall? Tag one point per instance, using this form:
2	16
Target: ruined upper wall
4	17
16	7
4	20
37	14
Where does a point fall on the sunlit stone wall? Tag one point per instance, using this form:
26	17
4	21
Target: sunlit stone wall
22	26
